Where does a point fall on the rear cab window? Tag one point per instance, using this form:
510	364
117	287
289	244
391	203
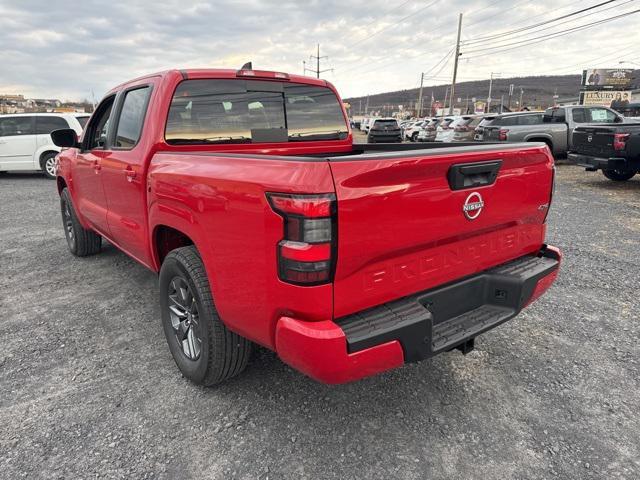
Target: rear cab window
386	123
253	111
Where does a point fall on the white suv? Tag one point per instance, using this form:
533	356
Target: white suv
25	140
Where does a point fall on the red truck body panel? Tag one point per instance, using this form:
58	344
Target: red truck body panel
401	229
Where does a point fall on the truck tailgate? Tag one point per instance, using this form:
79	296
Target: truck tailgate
402	225
594	141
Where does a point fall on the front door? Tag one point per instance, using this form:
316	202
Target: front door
17	142
87	170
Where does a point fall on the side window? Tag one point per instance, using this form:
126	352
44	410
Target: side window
46	124
14	126
132	117
578	115
96	136
530	120
600	115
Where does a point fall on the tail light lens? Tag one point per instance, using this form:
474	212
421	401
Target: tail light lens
307	253
620	141
502	134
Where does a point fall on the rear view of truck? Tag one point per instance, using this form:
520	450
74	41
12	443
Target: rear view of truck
614	149
433	248
267	225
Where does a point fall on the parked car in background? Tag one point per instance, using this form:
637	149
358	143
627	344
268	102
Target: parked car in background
411	132
384	130
25	140
553	127
363	124
509	126
613	148
464	131
330	255
444	131
428	130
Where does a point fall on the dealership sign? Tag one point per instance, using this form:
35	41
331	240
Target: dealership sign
615	99
609	78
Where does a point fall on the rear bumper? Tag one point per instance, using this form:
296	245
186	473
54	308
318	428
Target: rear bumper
596	163
416	327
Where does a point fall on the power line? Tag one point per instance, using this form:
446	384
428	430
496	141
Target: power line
490	42
394	23
529	27
544	38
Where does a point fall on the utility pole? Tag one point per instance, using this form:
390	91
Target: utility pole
510	95
455	65
317	58
419	106
521	93
490	87
366	107
444	106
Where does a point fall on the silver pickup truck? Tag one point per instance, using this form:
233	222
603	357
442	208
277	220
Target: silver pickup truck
554	126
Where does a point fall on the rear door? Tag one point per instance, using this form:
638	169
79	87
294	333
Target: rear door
123	174
17	142
404	227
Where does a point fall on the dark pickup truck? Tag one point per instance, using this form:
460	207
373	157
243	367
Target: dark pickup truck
612	148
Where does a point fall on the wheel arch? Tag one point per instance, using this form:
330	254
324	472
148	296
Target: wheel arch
542	138
166	238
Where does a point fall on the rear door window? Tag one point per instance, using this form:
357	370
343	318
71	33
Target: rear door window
131	118
47	124
529	119
15	126
578	115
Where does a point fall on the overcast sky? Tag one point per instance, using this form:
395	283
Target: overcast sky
66	48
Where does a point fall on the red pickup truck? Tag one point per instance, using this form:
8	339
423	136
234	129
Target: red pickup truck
267	225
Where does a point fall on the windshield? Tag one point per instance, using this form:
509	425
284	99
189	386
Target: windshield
251	111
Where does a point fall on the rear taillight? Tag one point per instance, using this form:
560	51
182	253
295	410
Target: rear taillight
502	134
620	141
306	254
462	129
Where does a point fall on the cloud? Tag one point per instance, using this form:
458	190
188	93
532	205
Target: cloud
67	49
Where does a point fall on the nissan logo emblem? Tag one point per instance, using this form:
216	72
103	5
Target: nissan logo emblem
589	138
473	206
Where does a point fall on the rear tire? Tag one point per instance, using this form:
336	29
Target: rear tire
205	351
81	242
48	164
619	175
414	137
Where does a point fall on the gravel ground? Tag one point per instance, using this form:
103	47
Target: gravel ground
88	387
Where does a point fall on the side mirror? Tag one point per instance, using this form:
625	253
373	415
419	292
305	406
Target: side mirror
619	120
65	137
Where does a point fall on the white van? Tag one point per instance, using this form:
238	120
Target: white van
25	140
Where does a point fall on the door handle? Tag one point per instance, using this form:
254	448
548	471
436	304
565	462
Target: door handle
130	174
96	166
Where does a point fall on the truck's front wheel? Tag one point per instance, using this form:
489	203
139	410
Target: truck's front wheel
204	350
619	175
81	242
